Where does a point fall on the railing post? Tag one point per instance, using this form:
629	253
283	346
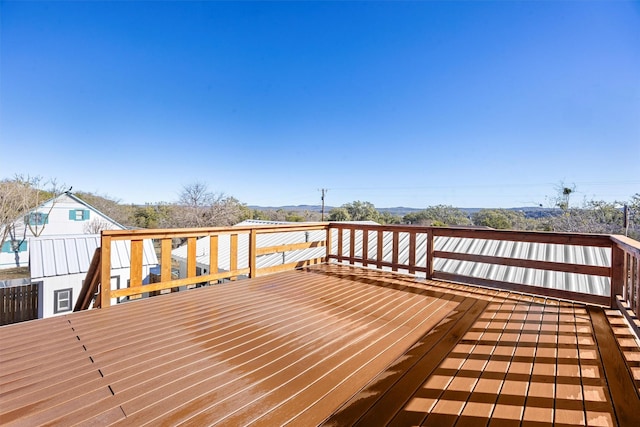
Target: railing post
340	244
105	271
617	273
430	250
252	253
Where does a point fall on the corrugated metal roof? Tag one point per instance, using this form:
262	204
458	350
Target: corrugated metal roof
71	254
262	240
595	256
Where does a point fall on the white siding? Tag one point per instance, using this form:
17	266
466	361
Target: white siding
58	224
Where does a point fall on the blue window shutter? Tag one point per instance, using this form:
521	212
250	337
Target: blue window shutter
6	247
72	215
85	214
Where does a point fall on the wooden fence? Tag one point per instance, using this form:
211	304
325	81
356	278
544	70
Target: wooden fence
19	303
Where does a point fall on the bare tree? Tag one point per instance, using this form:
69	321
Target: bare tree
96	225
199	207
23	197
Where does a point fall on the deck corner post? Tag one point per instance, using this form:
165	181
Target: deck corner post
617	274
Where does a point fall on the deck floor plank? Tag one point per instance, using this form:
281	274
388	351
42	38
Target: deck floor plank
329	344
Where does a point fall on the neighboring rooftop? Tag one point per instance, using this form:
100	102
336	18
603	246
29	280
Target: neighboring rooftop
71	254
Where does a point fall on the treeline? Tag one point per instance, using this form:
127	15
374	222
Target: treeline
592	217
205	209
197	206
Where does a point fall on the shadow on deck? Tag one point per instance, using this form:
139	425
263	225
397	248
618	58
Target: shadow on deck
328	344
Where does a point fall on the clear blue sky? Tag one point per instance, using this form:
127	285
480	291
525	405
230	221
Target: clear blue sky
473	104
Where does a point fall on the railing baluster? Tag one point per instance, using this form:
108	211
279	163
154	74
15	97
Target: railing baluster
365	247
135	271
395	247
412	252
352	245
380	246
213	254
191	256
329	244
430	250
165	262
252	253
233	256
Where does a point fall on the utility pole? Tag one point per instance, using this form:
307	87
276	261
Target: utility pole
625	219
324	191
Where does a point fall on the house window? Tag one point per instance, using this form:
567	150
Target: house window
9	246
62	300
37	218
78	214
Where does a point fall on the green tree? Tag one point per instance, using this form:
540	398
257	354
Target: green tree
339	214
355	211
439	215
294	217
494	218
389	218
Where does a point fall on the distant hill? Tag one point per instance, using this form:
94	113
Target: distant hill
311	208
529	211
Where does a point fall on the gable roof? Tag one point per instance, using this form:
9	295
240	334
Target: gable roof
82	202
71	254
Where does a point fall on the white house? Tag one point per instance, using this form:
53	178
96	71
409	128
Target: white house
59	266
62	215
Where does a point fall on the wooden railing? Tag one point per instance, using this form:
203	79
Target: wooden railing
91	285
626	280
166	237
410	249
415	249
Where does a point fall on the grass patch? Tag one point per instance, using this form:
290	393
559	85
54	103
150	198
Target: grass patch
14	273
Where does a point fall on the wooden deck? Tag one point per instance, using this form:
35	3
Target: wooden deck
328	344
